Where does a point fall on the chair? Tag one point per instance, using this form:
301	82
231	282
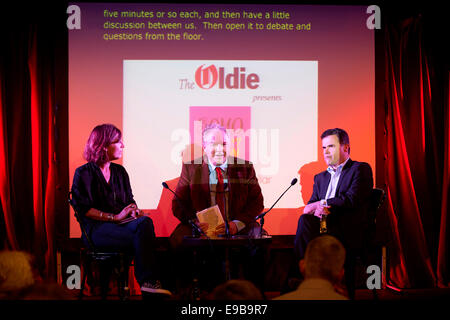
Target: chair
107	262
376	199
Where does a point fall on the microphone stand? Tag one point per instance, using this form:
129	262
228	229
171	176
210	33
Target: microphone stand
225	214
190	221
194	226
261	216
227	233
261	225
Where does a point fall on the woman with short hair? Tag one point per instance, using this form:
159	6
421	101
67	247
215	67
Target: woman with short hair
103	199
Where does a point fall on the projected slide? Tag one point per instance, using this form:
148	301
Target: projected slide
275	76
282	104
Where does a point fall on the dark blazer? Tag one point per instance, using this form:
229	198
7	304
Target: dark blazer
90	190
245	198
348	214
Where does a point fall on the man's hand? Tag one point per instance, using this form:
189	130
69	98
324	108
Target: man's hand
220	229
202	225
317	209
321	211
311	207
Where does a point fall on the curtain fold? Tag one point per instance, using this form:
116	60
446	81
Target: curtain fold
5	192
28	169
52	182
40	242
443	264
414	157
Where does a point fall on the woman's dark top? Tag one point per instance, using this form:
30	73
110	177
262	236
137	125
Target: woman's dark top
90	190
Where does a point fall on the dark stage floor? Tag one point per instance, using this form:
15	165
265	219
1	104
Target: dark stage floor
361	295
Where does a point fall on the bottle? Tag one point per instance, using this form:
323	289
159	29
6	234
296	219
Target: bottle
323	218
323	224
195	290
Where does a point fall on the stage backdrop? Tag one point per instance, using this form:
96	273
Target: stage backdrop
275	76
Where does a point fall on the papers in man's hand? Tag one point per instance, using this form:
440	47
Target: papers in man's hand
212	217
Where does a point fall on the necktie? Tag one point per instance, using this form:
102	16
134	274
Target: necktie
220	195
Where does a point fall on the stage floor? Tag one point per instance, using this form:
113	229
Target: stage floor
360	295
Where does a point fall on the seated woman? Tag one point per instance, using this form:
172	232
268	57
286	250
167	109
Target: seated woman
102	196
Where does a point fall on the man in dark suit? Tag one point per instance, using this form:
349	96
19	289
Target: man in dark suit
341	193
217	179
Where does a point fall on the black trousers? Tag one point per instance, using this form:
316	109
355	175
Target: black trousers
136	237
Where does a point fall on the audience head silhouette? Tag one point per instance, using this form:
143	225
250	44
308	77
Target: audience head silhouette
16	273
324	259
237	290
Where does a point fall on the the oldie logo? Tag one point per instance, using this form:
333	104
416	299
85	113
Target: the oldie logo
207	77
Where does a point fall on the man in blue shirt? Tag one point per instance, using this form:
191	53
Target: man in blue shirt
341	193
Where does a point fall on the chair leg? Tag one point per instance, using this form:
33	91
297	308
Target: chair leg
103	269
122	280
122	285
105	276
86	270
83	283
350	277
125	288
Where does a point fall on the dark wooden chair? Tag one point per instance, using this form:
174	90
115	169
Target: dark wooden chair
102	264
376	200
369	247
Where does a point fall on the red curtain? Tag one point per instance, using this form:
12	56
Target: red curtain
5	193
415	147
443	266
28	175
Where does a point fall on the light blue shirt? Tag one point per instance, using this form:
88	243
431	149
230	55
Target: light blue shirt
213	174
212	186
334	180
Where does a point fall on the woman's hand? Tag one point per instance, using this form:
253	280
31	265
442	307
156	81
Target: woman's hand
136	213
126	212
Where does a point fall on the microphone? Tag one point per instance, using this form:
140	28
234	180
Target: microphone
191	221
165	185
196	227
261	216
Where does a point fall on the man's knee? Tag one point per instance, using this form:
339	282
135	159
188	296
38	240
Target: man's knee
307	222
